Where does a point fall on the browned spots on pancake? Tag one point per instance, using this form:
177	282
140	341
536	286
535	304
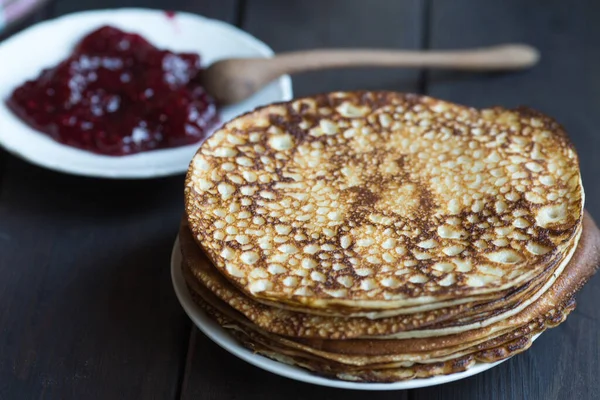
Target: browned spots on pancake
377	198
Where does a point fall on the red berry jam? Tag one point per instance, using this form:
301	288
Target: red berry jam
117	94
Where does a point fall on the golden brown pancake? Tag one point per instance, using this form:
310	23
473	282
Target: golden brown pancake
381	236
356	360
299	324
381	200
397	353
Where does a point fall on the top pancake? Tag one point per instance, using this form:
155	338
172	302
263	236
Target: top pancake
383	200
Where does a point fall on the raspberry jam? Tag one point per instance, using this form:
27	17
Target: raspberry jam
117	94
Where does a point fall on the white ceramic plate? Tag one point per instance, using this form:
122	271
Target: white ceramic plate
221	337
24	55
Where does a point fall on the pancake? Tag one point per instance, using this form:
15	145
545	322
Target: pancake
393	353
486	347
410	358
399	373
299	324
384	201
346	362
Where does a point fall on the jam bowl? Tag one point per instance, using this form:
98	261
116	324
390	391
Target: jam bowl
181	115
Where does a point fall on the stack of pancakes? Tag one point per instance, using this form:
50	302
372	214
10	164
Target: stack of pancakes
379	236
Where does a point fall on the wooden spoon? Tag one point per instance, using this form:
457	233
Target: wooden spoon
235	79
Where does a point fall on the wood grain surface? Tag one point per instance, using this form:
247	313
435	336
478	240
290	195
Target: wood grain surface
88	311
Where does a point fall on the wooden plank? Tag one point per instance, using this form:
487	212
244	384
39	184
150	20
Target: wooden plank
297	24
211	372
563	362
225	10
88	310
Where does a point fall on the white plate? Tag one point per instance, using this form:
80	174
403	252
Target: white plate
24	55
221	337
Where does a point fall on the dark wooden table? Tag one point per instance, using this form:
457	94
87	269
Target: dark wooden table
87	308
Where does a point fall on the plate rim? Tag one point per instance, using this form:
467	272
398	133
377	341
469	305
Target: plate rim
223	339
150	172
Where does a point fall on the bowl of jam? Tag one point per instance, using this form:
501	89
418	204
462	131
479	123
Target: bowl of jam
118	93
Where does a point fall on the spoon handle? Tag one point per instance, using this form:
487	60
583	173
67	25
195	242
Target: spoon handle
235	79
503	57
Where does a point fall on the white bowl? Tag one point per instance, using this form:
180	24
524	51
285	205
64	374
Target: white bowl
44	45
221	337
